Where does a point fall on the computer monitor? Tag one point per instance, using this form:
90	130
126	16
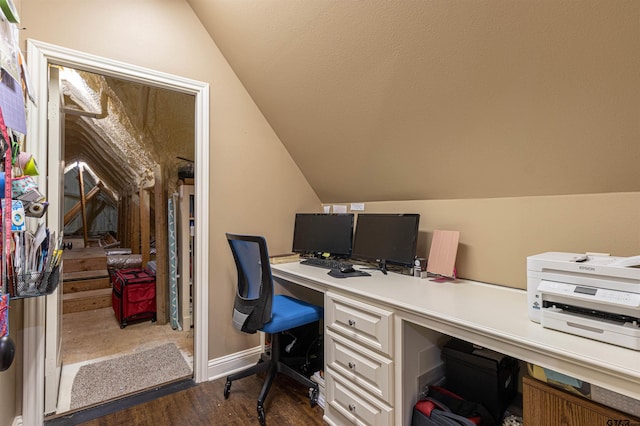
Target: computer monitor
386	238
318	233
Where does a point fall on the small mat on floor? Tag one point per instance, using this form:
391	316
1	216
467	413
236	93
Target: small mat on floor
113	378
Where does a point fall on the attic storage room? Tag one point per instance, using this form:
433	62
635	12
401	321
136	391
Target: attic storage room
121	218
128	236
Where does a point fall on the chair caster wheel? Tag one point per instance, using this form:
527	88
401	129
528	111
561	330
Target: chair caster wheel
261	417
227	389
313	400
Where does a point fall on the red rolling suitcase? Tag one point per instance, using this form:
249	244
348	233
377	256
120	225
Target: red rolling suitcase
133	295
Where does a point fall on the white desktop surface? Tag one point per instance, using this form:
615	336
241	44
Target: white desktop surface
489	315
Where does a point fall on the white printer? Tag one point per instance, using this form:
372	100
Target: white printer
595	296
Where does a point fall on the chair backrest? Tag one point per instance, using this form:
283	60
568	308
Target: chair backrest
254	295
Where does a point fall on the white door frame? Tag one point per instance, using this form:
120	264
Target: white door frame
40	55
53	186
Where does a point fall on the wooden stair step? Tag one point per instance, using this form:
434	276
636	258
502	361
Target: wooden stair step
87	264
86	300
74	286
84	275
85	259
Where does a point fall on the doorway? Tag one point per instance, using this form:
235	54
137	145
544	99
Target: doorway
42	315
115	217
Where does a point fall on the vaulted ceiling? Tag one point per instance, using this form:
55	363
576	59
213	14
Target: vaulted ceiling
436	99
407	99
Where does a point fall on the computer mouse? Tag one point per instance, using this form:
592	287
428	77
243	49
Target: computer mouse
347	270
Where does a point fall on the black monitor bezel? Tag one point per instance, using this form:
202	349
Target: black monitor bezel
308	251
380	258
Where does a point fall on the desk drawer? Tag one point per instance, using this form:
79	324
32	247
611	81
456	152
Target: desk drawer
366	368
348	405
361	322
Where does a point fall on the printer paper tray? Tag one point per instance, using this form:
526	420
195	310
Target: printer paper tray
621	335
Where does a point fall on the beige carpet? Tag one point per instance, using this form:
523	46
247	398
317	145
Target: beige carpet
113	378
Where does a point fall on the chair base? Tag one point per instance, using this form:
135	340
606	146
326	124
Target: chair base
272	366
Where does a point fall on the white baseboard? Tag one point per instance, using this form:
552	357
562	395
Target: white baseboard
17	421
228	364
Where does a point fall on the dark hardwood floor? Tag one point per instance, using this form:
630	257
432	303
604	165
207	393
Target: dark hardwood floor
204	404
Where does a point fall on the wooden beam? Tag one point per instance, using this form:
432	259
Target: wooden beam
134	231
73	211
145	249
126	222
83	203
122	206
162	245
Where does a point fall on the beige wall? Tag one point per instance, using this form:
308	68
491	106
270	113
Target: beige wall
444	99
255	187
497	234
10	379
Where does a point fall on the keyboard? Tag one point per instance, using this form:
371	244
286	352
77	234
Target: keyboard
326	263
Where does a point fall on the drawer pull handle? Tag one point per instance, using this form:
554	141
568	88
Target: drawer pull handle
352	322
352	365
352	407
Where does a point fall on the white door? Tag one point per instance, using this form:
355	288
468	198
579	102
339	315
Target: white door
55	188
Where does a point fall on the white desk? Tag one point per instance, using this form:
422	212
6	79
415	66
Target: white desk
488	315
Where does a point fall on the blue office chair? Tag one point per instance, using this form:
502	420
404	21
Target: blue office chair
256	308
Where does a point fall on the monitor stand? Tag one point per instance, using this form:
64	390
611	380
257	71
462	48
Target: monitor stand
382	267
